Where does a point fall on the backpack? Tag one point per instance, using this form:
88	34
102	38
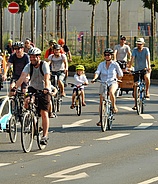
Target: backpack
31	69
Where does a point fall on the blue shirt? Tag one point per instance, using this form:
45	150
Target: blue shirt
140	61
109	75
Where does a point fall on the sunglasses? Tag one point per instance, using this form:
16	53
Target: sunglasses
107	54
17	48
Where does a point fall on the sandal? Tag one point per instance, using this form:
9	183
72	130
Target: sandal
134	108
83	104
99	123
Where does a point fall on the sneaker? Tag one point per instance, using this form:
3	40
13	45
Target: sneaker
51	115
72	106
83	104
44	141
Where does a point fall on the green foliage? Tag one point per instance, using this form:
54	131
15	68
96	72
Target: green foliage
65	3
91	2
22	6
4	3
148	3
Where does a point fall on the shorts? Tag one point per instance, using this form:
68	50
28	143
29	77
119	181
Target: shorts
60	75
24	85
122	64
43	99
136	76
103	88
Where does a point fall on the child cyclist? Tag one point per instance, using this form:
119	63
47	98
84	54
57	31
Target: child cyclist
80	78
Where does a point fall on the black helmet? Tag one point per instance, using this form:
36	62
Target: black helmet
18	44
108	50
57	47
34	51
122	37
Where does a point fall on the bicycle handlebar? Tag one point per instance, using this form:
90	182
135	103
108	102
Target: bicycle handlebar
78	86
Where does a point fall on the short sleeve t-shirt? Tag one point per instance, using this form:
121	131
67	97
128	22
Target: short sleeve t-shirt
57	63
18	64
37	79
140	61
121	52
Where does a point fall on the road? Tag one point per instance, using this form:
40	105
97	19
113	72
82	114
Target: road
78	152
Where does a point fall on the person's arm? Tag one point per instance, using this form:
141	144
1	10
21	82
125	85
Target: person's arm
95	77
70	56
66	65
5	72
131	62
115	53
149	63
47	81
21	79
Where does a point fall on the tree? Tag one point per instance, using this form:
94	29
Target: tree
3	4
108	2
63	4
153	6
23	7
92	3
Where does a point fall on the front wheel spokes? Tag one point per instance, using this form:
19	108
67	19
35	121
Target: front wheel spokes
27	131
78	106
110	118
12	129
39	133
137	100
103	116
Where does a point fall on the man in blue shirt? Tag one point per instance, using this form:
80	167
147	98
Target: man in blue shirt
141	60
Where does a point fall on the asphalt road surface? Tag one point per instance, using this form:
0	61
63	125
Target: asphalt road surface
78	151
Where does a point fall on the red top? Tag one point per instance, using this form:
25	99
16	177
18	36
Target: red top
50	51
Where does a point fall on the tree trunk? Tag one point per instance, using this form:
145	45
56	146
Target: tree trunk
33	21
152	29
118	21
92	28
108	23
65	13
1	28
21	25
42	28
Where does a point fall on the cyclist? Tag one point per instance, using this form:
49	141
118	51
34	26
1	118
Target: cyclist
108	71
9	47
59	66
49	51
66	49
39	82
141	59
121	51
19	60
80	78
27	45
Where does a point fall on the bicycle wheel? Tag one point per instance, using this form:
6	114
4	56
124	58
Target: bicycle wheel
78	105
39	133
27	132
103	116
59	100
110	118
138	101
12	129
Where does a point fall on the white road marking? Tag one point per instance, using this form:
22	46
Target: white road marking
143	126
63	174
4	164
52	152
149	181
112	137
154	94
146	116
77	123
126	108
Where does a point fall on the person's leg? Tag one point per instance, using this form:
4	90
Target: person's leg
45	122
73	99
147	83
61	84
83	97
112	91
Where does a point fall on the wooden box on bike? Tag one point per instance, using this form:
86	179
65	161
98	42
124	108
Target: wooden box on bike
127	82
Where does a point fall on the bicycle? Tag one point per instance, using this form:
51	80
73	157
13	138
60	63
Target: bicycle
57	100
106	109
78	103
31	125
17	111
140	92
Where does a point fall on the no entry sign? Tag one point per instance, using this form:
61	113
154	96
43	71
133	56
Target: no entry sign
13	7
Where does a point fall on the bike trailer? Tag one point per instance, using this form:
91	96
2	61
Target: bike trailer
5	113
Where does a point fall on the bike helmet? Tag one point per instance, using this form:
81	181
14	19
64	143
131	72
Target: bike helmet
80	67
122	37
108	50
10	40
34	51
18	44
61	41
52	42
57	47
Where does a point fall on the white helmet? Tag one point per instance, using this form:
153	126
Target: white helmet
34	51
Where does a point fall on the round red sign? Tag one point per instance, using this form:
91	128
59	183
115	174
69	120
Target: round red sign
13	7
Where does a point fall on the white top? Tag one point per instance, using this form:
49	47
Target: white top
80	79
